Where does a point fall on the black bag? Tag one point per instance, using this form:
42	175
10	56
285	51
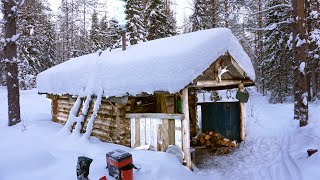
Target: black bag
83	167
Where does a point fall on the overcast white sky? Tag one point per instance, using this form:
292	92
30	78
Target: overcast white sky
182	6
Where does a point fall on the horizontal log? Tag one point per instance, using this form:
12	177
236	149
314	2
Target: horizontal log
62	109
222	83
154	115
59	120
62	115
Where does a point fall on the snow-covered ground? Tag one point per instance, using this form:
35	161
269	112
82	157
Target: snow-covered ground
275	147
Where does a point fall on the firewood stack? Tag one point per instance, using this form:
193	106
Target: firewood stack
212	139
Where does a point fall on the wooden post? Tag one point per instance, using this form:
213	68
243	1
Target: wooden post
124	41
215	71
242	115
186	128
242	122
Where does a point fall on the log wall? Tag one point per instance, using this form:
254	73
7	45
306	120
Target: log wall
111	125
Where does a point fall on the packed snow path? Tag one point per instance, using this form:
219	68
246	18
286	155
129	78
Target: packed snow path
274	145
289	168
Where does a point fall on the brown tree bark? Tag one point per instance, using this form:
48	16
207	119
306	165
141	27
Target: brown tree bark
144	2
260	48
300	58
226	13
10	53
213	14
310	60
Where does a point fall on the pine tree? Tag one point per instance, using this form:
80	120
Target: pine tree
10	11
313	55
134	22
2	64
300	64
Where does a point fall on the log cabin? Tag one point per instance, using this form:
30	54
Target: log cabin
150	92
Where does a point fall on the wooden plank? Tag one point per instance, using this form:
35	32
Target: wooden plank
133	131
153	135
154	115
178	133
137	132
159	137
186	128
237	67
142	131
164	135
148	131
171	131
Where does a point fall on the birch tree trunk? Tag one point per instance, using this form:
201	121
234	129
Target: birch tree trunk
300	64
10	56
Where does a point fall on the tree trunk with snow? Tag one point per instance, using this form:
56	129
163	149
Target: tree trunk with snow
260	48
299	54
10	55
213	14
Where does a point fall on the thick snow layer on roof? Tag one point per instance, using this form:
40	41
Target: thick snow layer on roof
167	64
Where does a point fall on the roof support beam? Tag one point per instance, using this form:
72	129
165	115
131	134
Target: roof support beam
203	84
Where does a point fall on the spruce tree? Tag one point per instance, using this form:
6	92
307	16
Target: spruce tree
114	34
37	45
157	20
313	48
135	29
202	17
94	32
171	24
103	33
277	60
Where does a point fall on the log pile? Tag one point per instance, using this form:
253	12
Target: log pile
212	139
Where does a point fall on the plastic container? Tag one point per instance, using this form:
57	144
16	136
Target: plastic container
120	164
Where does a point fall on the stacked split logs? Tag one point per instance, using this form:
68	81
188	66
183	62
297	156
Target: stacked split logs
212	139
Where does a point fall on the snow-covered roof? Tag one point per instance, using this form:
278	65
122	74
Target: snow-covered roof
167	64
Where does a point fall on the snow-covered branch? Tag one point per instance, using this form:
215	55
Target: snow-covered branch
273	7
